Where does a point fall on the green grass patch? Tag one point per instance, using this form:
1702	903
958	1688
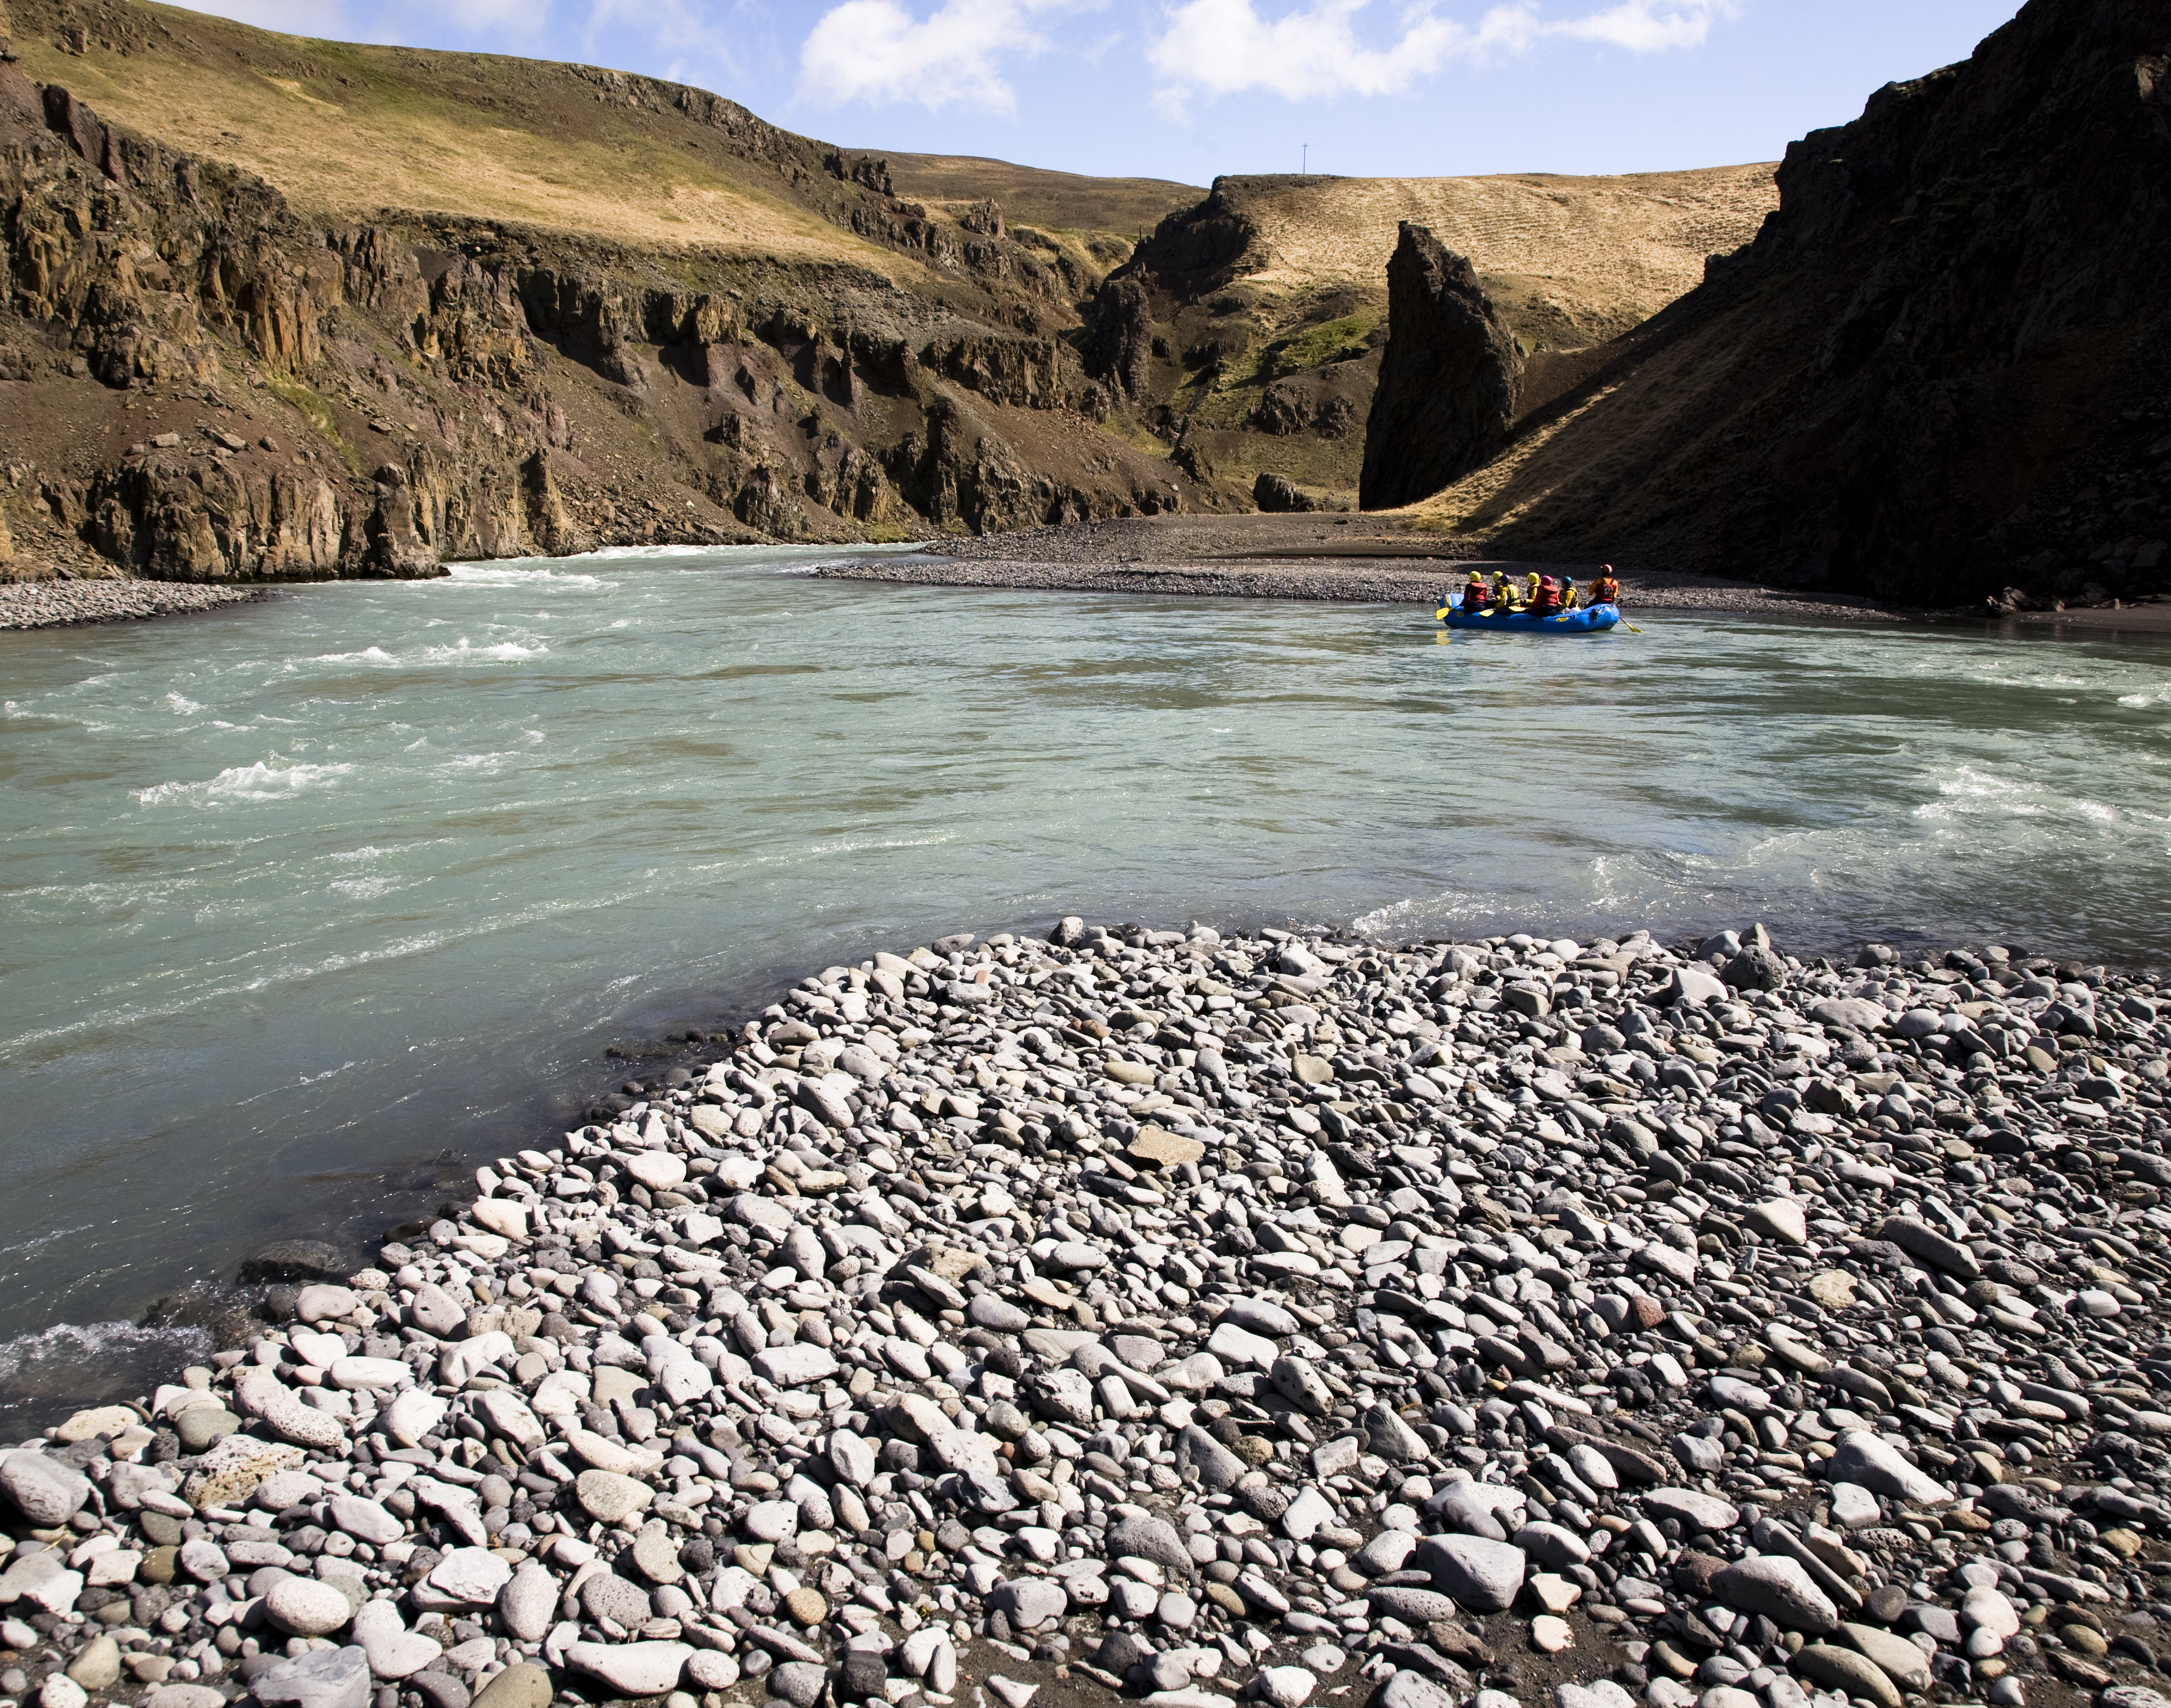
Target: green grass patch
316	412
1314	346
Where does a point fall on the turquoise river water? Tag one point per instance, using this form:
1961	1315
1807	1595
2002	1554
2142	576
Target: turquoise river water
305	903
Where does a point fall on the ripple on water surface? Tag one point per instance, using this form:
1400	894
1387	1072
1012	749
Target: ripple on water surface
304	902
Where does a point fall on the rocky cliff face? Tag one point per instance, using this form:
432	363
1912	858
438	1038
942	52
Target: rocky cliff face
1448	377
198	382
1942	368
1246	329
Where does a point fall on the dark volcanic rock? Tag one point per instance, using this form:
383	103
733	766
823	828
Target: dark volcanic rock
1278	493
1447	381
1939	369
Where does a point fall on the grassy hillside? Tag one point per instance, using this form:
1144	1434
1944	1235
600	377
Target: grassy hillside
1263	307
352	130
1122	209
461	303
1575	260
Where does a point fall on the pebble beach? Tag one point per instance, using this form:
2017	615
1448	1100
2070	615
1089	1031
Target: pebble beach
1195	1319
57	604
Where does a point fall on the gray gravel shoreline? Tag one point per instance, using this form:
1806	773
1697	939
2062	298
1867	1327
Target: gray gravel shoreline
1186	1318
1344	581
60	604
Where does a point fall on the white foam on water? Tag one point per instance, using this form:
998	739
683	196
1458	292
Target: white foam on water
363	889
368	655
94	1361
505	575
182	704
849	847
499	652
264	780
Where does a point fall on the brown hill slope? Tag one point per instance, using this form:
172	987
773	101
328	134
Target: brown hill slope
1944	365
277	307
333	309
1119	209
1250	325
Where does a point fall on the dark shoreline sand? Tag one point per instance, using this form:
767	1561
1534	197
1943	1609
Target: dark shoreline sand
1345	559
1372	580
1364	560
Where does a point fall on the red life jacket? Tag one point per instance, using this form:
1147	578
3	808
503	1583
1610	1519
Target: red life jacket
1547	597
1606	591
1475	597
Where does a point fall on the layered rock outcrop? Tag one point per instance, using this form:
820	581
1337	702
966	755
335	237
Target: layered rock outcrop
200	382
1942	368
1448	378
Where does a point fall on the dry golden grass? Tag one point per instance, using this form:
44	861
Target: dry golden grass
1127	207
1581	259
349	131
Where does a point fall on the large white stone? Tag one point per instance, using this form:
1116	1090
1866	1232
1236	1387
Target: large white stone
326	1304
369	1374
457	1363
658	1169
413	1416
1987	1608
1234	1345
507	1415
795	1365
306	1607
364	1520
471	1574
632	1669
501	1216
1875	1464
393	1651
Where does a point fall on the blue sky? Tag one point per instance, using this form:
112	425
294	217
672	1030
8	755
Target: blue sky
1190	88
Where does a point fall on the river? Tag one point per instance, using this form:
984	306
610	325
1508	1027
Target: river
307	905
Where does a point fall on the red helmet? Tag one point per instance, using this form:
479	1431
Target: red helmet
1546	581
1605	569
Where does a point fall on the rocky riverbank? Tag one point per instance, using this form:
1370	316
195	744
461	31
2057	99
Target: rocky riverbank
58	604
1368	559
1371	581
1193	1318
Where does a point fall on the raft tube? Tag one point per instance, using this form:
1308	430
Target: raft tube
1585	619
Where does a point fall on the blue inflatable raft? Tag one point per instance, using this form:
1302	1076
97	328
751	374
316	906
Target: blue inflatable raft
1587	619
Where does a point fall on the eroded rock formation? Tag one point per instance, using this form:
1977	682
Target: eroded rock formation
1942	368
1448	379
199	382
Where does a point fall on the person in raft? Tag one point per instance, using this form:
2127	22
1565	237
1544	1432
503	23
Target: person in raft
1545	600
1476	595
1603	589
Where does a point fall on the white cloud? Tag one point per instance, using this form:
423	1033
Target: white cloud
684	45
1647	26
1222	47
876	50
326	19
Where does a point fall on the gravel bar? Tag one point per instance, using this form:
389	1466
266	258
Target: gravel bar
57	604
1360	581
1192	1318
